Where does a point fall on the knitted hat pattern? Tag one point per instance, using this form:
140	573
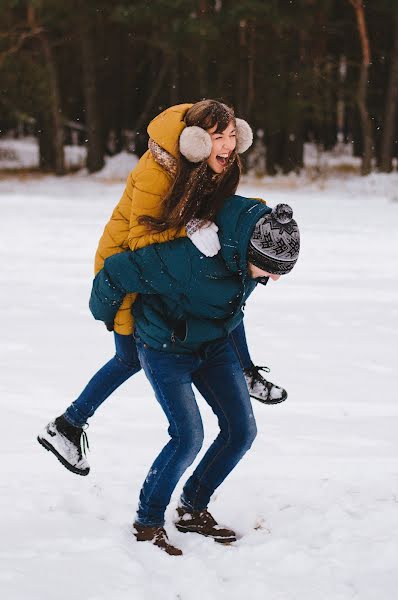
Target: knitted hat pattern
275	243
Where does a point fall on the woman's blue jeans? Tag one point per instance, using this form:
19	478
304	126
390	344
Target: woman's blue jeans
217	374
121	367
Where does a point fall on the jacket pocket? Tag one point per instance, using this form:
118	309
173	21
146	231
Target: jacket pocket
179	332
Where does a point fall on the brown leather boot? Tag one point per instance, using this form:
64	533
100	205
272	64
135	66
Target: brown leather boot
156	535
202	522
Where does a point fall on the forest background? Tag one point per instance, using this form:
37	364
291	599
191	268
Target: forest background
95	72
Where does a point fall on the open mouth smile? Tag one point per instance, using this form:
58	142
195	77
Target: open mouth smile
222	159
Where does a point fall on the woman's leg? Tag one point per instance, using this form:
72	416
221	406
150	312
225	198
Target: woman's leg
232	406
171	378
239	344
123	365
259	388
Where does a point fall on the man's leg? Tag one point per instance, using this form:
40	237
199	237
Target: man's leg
221	382
171	378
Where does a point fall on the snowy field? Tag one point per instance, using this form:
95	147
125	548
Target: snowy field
315	502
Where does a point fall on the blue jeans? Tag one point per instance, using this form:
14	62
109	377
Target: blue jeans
217	374
239	344
123	365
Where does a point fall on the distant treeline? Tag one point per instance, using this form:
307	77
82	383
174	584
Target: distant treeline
96	71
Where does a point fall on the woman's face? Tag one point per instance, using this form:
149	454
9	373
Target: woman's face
222	145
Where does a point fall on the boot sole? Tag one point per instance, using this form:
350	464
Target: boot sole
276	401
218	540
61	459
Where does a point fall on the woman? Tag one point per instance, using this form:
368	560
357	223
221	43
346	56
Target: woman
183	317
191	167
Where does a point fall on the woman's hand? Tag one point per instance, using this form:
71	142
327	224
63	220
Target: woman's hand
203	234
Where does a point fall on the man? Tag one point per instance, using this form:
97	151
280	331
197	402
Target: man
188	305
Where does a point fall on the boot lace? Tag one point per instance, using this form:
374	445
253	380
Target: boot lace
84	442
207	518
80	440
160	535
254	373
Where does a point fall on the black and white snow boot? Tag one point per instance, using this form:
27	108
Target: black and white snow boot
68	443
261	389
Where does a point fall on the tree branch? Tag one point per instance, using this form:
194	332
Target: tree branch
19	43
363	33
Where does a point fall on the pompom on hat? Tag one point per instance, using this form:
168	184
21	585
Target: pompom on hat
275	242
195	143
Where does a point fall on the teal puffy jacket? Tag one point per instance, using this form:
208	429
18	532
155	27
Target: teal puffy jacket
186	299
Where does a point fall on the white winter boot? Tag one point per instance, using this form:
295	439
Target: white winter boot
68	443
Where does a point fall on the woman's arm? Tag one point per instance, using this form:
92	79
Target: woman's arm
147	191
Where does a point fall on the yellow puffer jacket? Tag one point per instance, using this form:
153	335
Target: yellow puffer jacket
147	185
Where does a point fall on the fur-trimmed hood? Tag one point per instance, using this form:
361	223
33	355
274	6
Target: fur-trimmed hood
166	128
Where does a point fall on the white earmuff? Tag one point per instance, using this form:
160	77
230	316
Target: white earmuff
195	144
244	136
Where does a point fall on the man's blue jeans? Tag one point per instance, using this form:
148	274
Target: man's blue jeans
217	374
123	365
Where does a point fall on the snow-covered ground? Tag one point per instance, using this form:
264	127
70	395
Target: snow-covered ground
23	153
315	501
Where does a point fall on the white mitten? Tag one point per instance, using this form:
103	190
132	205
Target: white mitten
204	235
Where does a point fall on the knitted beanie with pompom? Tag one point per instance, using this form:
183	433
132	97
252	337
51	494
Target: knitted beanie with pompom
275	242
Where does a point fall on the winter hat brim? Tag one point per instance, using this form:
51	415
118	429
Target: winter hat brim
267	263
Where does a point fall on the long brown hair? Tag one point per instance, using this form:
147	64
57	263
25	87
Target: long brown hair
198	192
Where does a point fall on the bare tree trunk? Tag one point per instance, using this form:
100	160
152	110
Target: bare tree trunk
390	115
242	69
251	69
55	107
46	141
293	156
342	74
128	86
202	65
95	149
52	139
144	116
366	123
175	78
